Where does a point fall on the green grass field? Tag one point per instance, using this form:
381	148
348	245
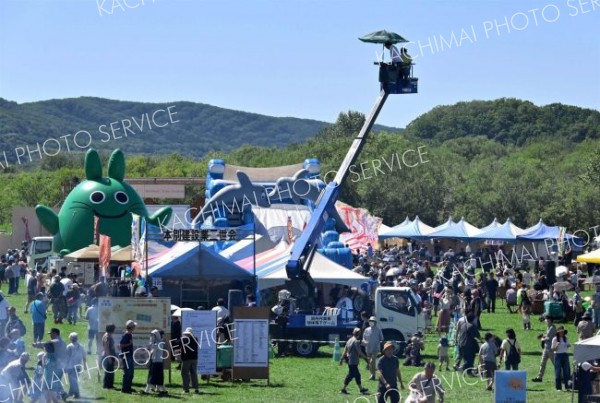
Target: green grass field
319	379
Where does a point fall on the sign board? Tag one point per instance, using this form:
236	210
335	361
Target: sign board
321	320
203	324
157	281
162	191
200	235
148	313
511	386
88	273
251	343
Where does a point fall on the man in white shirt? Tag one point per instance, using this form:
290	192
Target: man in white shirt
372	339
346	307
75	364
394	52
222	312
67	282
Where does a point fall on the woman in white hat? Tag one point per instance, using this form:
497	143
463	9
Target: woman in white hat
156	375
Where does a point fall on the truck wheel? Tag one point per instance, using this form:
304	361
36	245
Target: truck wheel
306	349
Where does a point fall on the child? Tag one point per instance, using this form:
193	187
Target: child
525	307
442	351
413	351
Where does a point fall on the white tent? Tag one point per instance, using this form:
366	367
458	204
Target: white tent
322	270
587	350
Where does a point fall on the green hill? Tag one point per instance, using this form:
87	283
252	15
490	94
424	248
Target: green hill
191	129
507	121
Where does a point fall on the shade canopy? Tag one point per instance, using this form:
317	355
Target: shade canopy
506	232
415	229
322	270
587	350
91	252
541	232
591	257
460	230
189	260
492	225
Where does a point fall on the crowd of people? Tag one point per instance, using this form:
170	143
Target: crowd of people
457	298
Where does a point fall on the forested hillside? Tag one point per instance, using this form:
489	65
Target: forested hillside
191	129
480	160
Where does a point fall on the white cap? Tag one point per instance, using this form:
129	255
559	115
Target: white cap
130	324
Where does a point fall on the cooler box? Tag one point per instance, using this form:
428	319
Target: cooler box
224	356
553	309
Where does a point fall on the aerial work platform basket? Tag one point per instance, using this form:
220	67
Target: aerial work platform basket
396	78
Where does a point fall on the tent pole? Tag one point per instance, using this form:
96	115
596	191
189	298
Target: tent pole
254	285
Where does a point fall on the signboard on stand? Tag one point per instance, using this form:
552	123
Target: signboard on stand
203	324
251	343
148	313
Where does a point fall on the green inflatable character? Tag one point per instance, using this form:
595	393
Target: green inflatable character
109	198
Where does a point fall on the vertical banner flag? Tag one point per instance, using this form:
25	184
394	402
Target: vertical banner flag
135	238
96	230
142	243
290	230
104	254
27	234
560	241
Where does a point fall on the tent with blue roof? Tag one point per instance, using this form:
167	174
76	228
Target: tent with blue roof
541	232
506	232
460	230
415	229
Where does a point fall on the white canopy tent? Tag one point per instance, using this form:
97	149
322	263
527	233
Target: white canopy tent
587	350
322	270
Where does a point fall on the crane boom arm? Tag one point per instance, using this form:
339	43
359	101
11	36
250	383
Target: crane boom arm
305	247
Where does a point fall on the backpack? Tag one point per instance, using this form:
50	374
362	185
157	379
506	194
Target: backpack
513	356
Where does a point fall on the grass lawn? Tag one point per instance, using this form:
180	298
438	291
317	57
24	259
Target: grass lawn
319	379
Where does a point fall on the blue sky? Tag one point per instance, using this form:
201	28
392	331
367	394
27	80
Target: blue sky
299	58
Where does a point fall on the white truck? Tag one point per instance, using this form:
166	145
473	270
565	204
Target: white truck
40	249
398	314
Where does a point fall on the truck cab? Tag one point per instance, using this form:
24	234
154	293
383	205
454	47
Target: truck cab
40	249
398	313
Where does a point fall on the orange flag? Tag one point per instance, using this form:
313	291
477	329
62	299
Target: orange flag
104	254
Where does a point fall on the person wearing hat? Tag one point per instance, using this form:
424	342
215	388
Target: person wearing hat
156	373
126	346
189	360
75	360
562	367
372	339
388	374
351	354
585	327
547	352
